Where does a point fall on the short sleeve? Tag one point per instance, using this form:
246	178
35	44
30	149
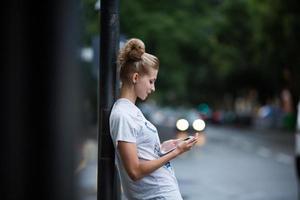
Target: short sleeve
123	128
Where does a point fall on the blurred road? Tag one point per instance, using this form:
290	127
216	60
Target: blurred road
239	164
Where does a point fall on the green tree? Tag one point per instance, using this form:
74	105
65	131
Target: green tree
213	47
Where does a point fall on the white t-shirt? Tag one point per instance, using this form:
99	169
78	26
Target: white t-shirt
127	123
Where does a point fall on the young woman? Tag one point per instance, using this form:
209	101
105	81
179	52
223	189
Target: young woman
144	172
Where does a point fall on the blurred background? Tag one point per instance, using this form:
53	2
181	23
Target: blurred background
233	60
232	63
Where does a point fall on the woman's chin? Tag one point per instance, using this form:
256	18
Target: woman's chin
144	98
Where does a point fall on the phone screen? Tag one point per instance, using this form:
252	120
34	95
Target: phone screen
188	138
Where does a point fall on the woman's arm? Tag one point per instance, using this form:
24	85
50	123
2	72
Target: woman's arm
136	168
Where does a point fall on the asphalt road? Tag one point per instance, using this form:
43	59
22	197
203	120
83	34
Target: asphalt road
239	164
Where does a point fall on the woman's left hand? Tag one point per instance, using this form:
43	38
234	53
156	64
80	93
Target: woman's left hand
169	144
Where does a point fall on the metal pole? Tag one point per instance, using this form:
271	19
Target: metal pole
109	41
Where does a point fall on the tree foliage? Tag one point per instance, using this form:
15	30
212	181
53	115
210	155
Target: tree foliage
210	48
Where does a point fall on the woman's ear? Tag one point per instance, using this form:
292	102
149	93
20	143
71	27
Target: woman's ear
135	77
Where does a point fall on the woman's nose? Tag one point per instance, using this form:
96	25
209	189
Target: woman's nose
153	88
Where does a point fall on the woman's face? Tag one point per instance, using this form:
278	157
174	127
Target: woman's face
145	84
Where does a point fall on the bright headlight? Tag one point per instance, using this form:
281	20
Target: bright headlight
199	125
182	124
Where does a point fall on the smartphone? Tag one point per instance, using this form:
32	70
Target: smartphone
188	138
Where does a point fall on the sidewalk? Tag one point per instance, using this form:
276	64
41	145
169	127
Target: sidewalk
86	172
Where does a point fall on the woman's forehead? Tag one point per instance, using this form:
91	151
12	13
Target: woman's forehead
152	73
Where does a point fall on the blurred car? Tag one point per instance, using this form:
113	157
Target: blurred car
205	111
180	119
159	116
189	120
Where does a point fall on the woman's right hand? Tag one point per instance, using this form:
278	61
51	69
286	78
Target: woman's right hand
187	145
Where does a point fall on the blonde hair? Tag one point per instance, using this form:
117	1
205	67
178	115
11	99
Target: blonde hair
132	58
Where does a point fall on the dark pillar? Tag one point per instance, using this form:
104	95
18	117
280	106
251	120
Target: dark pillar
109	43
40	100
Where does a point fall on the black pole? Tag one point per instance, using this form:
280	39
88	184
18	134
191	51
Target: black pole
109	41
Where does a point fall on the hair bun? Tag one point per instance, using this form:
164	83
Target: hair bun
132	50
135	48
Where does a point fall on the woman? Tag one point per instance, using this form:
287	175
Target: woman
145	173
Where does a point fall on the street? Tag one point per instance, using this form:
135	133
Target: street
239	164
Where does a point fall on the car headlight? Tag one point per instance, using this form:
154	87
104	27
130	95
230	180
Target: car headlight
182	124
199	125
